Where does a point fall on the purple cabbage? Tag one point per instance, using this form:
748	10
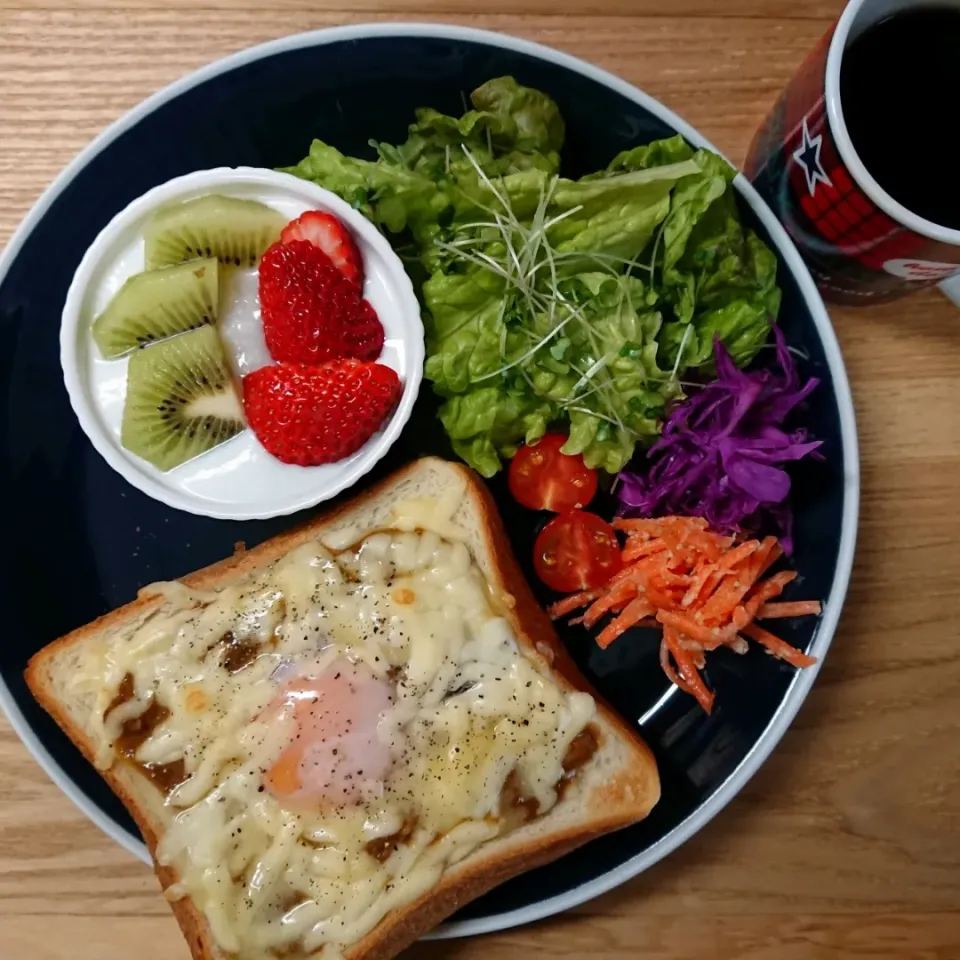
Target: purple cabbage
722	451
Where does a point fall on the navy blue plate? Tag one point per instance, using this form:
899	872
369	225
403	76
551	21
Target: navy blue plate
81	541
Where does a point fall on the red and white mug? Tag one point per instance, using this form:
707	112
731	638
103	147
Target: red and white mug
861	245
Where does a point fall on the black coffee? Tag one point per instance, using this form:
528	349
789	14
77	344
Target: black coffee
900	90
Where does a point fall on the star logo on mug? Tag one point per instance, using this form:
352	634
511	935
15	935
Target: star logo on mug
807	155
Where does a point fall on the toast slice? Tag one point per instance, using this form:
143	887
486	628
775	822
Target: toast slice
617	787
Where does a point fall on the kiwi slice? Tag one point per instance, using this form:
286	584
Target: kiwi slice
181	400
158	304
234	231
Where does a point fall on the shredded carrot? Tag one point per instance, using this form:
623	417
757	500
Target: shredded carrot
707	637
779	648
658	525
736	556
703	590
638	547
634	612
667	668
800	608
574	602
727	597
768	590
688	670
766	556
621	593
704	586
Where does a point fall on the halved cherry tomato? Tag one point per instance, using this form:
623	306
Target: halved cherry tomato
576	551
543	478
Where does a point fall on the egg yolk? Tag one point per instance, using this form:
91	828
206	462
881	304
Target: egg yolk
335	752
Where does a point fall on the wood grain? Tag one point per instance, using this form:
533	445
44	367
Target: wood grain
847	843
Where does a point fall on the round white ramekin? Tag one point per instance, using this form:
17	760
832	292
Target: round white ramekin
237	480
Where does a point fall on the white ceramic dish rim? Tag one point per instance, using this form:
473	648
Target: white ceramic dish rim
802	681
128	465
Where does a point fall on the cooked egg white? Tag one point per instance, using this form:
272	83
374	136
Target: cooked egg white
333	732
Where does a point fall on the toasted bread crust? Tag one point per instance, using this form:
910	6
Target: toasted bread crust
192	924
626	799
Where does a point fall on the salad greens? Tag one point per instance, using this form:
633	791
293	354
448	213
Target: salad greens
557	301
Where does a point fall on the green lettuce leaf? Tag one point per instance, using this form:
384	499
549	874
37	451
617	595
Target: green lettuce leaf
520	118
692	198
618	215
601	375
723	285
418	183
491	422
463	329
551	302
392	195
659	153
715	275
627	391
511	128
613	217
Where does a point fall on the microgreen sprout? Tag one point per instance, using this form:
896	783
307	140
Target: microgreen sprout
530	268
683	346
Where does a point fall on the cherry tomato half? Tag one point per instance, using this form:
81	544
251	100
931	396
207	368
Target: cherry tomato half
576	551
543	478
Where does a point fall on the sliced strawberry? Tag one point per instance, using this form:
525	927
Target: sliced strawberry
364	334
326	232
310	313
310	415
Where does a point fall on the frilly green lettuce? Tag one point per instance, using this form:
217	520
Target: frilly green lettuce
551	302
599	372
718	277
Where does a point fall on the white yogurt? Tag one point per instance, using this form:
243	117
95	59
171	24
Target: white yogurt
237	479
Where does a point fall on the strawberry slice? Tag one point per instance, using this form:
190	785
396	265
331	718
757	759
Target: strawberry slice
328	234
309	415
310	313
363	335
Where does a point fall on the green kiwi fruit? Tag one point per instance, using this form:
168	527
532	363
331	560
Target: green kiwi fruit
234	231
181	400
158	304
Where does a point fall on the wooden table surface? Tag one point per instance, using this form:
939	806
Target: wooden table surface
847	843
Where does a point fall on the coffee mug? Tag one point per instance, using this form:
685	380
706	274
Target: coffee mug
861	245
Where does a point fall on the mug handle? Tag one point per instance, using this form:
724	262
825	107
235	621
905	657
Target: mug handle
951	288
